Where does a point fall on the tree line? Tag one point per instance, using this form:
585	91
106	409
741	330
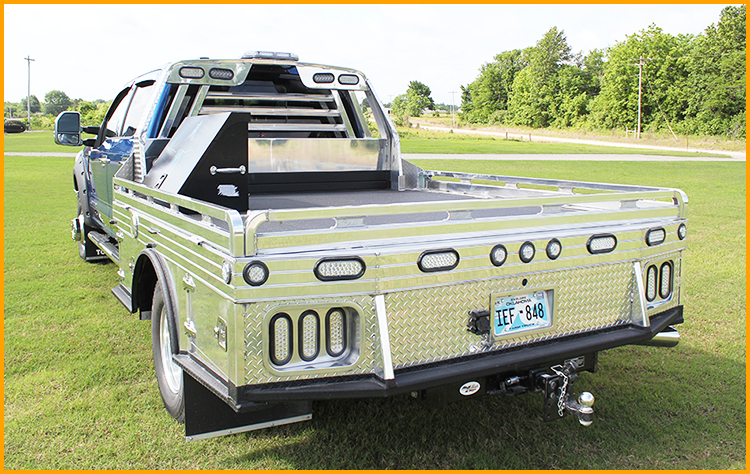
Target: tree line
43	113
689	84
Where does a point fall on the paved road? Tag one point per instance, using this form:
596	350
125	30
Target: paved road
545	157
737	155
494	157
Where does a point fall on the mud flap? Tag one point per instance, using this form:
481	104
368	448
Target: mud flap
207	416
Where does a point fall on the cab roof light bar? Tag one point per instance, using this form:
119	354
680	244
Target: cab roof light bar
270	55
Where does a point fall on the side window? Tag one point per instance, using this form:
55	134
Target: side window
114	123
137	106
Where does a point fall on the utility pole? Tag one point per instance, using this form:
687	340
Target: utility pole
453	108
28	92
640	74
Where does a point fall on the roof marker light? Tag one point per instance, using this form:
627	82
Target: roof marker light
349	79
189	72
219	73
323	77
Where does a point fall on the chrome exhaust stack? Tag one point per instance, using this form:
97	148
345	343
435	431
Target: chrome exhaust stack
669	337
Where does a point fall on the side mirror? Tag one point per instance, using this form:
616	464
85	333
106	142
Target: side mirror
68	129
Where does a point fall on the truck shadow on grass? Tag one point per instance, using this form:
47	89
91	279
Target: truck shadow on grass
655	409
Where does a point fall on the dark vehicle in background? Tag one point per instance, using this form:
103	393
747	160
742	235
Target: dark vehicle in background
14	126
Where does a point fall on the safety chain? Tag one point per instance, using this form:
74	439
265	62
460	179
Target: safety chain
563	390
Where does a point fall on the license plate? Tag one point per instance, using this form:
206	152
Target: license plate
521	312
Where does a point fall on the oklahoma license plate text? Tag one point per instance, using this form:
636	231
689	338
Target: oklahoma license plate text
521	312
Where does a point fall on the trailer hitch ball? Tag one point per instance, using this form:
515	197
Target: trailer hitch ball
583	408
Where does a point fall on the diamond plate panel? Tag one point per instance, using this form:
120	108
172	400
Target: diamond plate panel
256	371
429	325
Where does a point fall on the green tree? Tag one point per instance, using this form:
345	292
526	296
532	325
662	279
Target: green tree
717	69
35	106
400	110
418	98
489	93
664	88
56	102
533	100
92	113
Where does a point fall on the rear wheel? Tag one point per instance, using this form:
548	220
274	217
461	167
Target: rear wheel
165	343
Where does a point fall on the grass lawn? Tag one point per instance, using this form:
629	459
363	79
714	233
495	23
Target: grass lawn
39	141
424	141
80	392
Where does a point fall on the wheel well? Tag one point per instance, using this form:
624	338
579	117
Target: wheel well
144	281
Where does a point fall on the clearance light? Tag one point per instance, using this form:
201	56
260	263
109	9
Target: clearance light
328	269
682	231
554	249
281	339
309	344
603	243
323	77
335	332
527	252
191	72
255	273
348	79
498	255
438	260
217	73
226	271
665	287
651	283
656	236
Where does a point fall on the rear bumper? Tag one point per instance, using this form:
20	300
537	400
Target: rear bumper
434	375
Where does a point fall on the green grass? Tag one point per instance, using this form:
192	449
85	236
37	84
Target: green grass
422	141
80	392
38	141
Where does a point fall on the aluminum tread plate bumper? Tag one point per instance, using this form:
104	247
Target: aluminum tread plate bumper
432	375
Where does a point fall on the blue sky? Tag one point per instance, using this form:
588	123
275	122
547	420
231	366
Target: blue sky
90	51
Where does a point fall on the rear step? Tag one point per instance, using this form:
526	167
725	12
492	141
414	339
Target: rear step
105	245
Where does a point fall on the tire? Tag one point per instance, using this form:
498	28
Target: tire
164	339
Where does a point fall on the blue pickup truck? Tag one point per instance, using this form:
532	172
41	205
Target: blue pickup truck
264	221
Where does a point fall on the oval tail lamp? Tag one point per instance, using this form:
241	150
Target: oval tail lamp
332	269
280	339
656	236
438	260
602	243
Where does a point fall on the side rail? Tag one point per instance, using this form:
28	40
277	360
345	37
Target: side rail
212	227
518	207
